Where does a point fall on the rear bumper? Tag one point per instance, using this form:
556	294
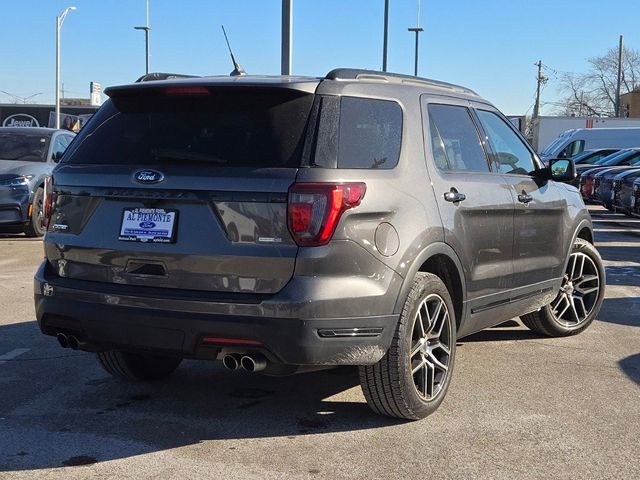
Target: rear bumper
108	321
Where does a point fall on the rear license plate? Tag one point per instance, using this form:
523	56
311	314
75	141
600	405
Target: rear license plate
155	225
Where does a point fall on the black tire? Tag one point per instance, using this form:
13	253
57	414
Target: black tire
35	227
137	367
546	322
390	386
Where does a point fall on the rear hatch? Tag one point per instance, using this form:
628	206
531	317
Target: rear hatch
182	186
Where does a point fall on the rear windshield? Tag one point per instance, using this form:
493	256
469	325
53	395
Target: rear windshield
226	128
24	147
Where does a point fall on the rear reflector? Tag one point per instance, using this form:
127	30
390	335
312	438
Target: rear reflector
230	341
314	209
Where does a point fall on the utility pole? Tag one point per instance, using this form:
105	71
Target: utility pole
386	35
620	51
146	29
541	81
417	30
287	27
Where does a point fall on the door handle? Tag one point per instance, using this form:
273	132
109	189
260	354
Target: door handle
454	196
524	197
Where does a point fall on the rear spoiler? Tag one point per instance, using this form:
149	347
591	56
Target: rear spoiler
149	77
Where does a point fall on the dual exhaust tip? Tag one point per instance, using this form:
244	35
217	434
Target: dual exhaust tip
69	341
250	363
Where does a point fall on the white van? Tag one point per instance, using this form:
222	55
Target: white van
573	142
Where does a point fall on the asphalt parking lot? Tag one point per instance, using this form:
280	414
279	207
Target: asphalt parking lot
520	406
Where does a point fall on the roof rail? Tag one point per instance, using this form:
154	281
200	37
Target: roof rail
374	75
162	76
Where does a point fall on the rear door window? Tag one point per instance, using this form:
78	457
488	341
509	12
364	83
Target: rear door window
455	143
238	127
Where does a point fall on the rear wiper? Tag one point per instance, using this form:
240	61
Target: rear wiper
182	155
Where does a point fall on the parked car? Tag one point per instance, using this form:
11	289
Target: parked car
588	180
623	190
578	140
606	189
27	156
406	214
587	159
606	160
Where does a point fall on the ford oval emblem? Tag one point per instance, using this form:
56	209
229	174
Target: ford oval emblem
147	225
148	176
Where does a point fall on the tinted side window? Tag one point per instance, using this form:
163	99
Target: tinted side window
59	146
370	133
512	155
454	139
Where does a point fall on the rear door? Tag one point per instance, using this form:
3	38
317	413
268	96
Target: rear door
475	204
182	189
539	233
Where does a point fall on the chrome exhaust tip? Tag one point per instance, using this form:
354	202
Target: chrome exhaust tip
63	340
231	361
254	363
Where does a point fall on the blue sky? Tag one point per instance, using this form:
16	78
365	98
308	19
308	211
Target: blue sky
487	45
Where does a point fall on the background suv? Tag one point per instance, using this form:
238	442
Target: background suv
27	156
285	223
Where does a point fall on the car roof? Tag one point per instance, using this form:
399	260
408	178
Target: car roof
302	83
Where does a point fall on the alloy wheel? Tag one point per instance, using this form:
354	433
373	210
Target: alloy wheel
431	347
579	291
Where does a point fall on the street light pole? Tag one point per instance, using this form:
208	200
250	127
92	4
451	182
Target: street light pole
59	20
287	28
385	38
417	29
146	29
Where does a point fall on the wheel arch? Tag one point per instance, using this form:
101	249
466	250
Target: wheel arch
441	260
583	230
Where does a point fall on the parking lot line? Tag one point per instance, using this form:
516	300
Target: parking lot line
13	354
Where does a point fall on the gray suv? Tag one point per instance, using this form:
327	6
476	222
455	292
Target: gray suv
284	224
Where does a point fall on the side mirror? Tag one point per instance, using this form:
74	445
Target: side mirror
561	170
56	156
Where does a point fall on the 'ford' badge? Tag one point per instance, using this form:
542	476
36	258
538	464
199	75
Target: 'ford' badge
148	176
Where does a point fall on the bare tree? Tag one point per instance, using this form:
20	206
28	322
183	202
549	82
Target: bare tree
594	93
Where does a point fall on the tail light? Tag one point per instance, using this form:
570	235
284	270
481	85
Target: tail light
315	209
48	201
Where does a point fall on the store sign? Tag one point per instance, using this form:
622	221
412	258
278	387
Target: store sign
20	120
95	89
